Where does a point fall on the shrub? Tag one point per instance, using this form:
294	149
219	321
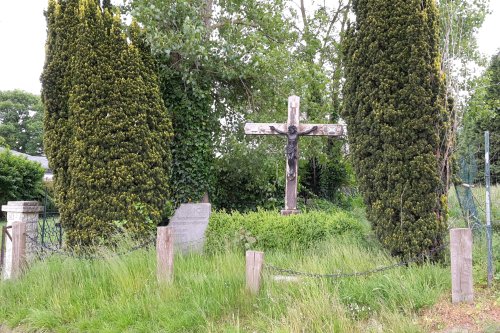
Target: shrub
20	179
244	185
268	230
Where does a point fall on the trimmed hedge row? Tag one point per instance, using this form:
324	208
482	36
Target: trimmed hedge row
267	230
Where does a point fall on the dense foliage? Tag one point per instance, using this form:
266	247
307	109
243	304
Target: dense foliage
20	179
21	121
268	230
243	184
194	124
394	108
325	178
107	130
483	114
223	63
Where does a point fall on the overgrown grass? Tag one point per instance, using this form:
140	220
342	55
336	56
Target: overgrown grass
119	294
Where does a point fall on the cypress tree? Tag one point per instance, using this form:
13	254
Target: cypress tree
62	21
396	118
119	163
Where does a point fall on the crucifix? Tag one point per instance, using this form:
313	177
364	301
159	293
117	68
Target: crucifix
292	130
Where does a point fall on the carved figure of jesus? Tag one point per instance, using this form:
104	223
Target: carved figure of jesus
291	146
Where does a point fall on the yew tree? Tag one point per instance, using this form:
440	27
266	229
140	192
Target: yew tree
397	119
104	108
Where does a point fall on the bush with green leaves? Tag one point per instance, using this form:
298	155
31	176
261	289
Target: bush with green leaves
20	179
247	178
268	230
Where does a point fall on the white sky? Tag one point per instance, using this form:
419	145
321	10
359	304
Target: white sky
22	40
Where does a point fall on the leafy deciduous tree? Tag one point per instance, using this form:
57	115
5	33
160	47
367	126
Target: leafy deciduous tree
21	121
239	61
483	114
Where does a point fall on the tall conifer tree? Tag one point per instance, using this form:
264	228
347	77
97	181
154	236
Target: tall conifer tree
119	161
62	22
394	108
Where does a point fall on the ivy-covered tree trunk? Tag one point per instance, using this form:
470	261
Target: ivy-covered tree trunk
395	113
118	130
194	123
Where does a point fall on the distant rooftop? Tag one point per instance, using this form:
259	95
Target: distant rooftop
40	159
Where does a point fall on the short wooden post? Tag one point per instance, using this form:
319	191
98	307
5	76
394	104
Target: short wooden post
18	248
461	265
165	254
254	263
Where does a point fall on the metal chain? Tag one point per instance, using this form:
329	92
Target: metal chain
93	257
88	256
292	272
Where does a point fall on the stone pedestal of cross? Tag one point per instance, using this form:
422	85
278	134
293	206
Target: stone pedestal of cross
292	130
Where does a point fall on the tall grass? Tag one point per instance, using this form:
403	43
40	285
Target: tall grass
120	294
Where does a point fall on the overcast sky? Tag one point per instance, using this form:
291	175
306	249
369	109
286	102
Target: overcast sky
22	40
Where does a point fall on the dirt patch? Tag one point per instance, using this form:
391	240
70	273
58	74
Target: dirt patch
483	315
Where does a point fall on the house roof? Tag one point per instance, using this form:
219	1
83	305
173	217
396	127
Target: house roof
40	159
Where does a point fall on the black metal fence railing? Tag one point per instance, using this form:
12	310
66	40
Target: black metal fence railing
50	231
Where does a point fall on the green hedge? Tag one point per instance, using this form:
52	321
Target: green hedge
20	178
267	230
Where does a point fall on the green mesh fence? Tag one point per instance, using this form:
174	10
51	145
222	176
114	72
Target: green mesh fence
470	188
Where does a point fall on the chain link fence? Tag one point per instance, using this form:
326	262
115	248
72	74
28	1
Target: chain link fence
477	191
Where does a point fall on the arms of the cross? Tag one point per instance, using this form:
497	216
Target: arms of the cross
322	129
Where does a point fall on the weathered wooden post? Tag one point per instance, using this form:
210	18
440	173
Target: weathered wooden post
461	265
18	249
21	211
165	254
254	263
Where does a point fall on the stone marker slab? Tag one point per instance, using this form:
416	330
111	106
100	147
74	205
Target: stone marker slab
189	224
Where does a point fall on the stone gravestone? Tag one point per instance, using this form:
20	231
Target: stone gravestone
189	224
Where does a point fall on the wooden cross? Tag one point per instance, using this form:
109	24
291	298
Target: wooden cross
293	130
